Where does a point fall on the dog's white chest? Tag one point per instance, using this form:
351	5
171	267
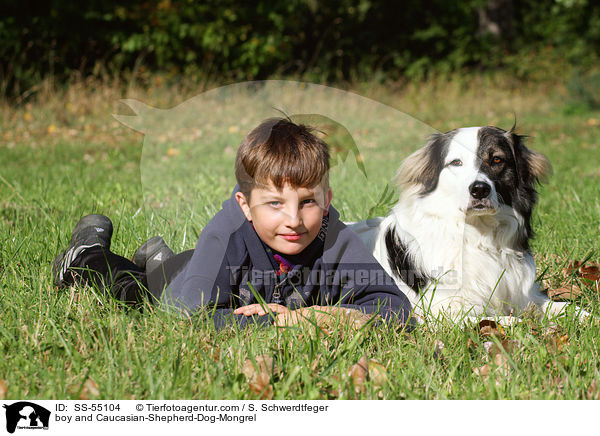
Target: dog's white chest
468	267
490	277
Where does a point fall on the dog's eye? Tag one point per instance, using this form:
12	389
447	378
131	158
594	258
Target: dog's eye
456	163
497	160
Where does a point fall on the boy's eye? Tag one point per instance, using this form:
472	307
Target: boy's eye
274	203
456	163
308	201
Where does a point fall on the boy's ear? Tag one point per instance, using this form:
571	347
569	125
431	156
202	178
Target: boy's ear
244	205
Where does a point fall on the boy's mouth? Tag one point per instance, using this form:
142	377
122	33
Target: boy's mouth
291	236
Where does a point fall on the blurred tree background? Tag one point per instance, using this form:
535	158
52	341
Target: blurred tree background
337	40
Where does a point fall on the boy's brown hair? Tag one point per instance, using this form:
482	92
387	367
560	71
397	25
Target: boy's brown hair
280	151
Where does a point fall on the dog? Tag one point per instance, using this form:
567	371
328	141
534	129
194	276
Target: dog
457	242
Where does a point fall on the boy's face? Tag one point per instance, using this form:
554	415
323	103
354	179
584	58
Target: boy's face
287	220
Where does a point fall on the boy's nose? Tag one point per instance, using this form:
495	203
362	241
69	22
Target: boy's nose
293	218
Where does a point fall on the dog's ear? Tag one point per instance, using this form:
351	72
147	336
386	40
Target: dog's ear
423	167
538	166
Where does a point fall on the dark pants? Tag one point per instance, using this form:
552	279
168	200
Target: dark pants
119	277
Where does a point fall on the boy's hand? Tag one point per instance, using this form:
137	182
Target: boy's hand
319	314
324	316
257	309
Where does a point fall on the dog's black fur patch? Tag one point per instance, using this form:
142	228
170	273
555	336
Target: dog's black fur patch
493	143
401	263
436	149
513	179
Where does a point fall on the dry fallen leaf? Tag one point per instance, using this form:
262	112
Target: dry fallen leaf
498	354
3	388
497	350
500	365
263	363
488	346
489	327
89	390
358	372
482	371
259	373
593	393
260	385
556	343
565	293
590	272
377	373
574	273
505	346
370	370
585	270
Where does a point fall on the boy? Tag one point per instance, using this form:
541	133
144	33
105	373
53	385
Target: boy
277	239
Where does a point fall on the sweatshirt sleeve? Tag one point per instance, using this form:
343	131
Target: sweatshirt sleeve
192	287
225	317
358	280
206	280
376	299
208	284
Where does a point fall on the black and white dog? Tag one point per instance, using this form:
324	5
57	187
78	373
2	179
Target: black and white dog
457	241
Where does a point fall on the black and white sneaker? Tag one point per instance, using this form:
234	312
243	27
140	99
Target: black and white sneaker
91	231
152	253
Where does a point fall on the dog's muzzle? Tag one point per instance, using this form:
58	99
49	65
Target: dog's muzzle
480	202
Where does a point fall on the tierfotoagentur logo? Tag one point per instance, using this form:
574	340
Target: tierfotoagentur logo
26	415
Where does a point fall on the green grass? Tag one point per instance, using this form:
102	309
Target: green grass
65	157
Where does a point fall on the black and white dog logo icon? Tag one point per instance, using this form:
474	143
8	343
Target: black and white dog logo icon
26	415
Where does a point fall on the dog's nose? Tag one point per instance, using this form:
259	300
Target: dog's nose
480	190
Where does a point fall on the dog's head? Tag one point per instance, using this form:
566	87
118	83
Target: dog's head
477	171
